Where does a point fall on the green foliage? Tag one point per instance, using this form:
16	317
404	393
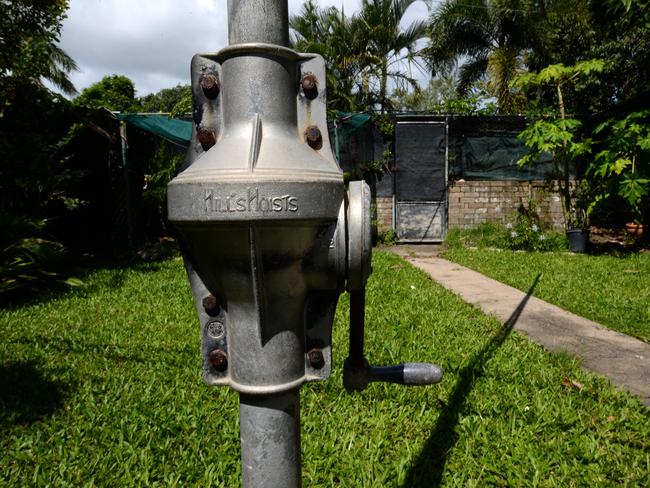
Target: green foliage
623	41
559	135
362	51
387	237
36	177
29	259
558	74
384	123
528	234
29	32
168	100
86	397
622	166
440	96
114	92
387	44
335	37
183	106
162	167
525	233
487	39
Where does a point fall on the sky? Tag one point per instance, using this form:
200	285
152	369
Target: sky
153	41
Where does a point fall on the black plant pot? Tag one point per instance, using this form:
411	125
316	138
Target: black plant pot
578	239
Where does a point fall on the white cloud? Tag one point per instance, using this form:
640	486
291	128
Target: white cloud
152	41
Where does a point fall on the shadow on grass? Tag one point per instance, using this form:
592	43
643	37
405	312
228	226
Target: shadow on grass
54	290
26	395
429	467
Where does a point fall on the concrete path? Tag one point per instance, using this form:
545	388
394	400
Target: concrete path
623	359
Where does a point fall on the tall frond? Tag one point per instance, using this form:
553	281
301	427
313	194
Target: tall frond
61	64
471	72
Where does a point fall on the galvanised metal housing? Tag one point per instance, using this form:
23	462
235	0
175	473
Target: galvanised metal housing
270	236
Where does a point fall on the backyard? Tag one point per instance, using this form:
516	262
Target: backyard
101	386
100	358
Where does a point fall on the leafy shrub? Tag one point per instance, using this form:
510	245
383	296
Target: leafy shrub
28	259
525	234
387	237
162	167
528	234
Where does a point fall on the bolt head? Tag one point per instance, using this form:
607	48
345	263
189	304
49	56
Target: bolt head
210	86
316	359
211	304
207	137
313	137
219	359
309	85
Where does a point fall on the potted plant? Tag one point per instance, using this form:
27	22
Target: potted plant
577	229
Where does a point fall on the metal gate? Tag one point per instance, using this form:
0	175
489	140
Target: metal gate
421	157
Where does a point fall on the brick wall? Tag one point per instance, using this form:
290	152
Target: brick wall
384	207
474	202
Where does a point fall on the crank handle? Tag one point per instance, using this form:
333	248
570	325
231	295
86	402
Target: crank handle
356	378
410	374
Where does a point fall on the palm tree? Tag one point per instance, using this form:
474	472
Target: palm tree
360	50
336	37
488	39
58	69
389	46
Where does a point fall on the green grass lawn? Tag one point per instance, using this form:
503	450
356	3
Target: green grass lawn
102	386
611	290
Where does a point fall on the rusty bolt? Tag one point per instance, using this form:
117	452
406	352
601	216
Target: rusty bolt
316	359
309	84
210	86
219	360
313	137
211	305
206	137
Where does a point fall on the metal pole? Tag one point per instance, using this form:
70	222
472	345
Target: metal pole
127	188
270	440
269	424
258	21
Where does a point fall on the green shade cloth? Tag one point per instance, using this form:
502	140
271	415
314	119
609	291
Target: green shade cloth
175	130
352	122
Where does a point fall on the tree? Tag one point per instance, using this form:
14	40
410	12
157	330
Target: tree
166	100
559	135
336	37
114	92
488	39
362	51
36	179
29	32
624	43
440	96
387	44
